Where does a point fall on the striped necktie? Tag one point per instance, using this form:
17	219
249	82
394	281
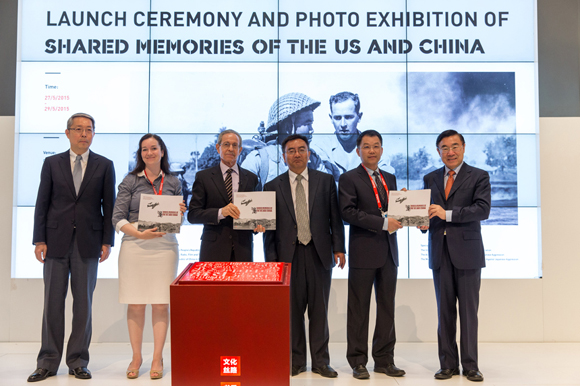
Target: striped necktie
228	182
381	191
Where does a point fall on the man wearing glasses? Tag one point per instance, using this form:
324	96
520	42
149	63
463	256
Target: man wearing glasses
212	205
460	200
374	258
310	235
73	233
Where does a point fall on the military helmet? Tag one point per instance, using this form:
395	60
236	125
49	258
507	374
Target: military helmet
287	105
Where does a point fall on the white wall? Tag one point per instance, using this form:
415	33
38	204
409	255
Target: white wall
546	309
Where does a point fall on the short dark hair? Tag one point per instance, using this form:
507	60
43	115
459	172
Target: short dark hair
449	133
292	137
140	166
344	96
369	133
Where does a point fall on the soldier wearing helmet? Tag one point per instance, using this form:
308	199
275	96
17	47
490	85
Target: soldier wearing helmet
290	114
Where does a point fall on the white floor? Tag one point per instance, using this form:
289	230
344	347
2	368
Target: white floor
501	364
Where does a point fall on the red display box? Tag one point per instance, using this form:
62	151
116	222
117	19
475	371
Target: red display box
230	325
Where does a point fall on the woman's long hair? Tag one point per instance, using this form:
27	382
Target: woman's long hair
139	158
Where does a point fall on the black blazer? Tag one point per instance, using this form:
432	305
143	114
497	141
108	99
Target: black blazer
325	223
208	195
470	201
368	242
59	210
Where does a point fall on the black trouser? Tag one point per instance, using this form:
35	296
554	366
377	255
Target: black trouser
309	289
454	286
83	279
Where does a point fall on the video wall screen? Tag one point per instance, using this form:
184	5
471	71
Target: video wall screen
186	72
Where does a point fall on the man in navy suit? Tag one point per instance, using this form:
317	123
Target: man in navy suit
73	232
310	235
373	258
460	199
212	205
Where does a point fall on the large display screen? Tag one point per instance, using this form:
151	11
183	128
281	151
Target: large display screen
186	71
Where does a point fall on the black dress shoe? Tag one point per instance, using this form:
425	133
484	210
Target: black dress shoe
325	371
40	374
360	372
446	373
297	370
80	373
473	375
391	370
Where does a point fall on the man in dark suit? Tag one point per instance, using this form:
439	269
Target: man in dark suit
373	258
212	205
73	232
461	198
310	235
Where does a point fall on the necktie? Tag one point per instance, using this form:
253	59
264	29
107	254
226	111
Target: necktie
228	182
302	221
381	190
449	184
78	173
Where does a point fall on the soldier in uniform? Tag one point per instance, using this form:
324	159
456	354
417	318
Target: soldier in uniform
290	114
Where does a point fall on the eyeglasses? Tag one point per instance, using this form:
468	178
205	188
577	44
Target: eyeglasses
300	151
227	145
455	149
78	130
368	147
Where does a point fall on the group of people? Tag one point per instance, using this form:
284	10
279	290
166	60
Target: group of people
76	215
75	218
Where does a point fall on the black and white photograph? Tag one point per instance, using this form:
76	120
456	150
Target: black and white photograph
410	207
161	212
256	208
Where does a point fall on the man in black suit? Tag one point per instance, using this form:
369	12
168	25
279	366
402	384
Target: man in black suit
73	232
310	235
373	258
212	205
460	199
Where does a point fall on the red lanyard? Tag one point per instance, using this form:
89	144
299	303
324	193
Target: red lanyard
153	186
375	189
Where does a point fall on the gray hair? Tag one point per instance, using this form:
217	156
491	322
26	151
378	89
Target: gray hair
229	131
79	115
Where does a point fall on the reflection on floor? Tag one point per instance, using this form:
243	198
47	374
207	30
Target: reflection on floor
501	364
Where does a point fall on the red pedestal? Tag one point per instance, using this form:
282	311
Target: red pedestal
230	325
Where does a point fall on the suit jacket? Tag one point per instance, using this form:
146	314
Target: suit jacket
59	210
368	242
208	195
470	201
325	223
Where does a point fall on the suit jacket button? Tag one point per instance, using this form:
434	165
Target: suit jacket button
293	242
230	236
294	226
